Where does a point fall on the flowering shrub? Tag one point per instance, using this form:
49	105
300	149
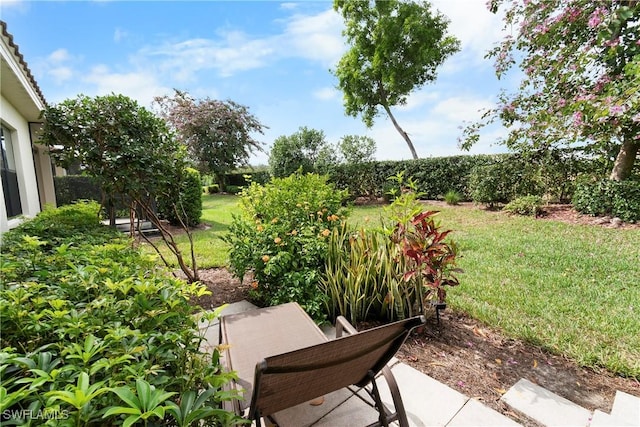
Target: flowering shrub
281	237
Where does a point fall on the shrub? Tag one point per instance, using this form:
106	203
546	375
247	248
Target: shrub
83	323
607	197
233	189
184	203
527	205
452	197
281	237
213	189
71	188
393	272
71	224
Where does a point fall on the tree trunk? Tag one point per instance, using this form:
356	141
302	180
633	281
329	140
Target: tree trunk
402	132
624	161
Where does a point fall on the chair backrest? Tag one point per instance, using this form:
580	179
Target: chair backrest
288	379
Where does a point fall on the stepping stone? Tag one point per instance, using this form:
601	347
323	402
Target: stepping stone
626	407
545	407
475	414
602	419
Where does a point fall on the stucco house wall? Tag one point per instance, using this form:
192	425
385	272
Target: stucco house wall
27	161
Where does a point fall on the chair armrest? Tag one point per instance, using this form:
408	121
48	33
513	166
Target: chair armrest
343	325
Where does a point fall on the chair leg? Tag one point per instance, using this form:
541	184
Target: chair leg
401	414
382	413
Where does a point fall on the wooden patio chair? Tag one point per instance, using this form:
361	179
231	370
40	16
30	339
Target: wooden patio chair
283	359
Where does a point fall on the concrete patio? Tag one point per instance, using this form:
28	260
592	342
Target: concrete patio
431	403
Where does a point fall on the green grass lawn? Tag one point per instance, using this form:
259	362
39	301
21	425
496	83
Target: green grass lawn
572	289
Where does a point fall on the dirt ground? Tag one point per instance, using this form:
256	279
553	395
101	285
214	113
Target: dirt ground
476	360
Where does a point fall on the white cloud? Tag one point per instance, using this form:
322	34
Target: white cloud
139	85
58	56
325	93
459	108
419	98
317	37
313	37
19	5
477	29
60	74
119	34
289	5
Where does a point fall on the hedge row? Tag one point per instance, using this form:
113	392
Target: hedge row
607	197
484	178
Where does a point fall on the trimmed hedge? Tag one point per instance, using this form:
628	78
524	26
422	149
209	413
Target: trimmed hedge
239	179
187	198
607	197
503	176
71	188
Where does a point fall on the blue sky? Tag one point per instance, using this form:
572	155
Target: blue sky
273	57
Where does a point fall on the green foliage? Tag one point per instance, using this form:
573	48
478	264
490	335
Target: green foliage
76	223
357	149
306	151
429	260
392	272
84	322
217	134
452	197
128	149
213	189
395	47
525	205
233	189
184	202
579	61
607	197
71	188
281	237
246	176
550	173
501	181
362	275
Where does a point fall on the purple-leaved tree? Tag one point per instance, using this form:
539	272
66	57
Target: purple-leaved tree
219	135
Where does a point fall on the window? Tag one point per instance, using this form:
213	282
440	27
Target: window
9	175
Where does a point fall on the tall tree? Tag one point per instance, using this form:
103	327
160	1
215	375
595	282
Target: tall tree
306	149
217	134
396	48
129	150
581	85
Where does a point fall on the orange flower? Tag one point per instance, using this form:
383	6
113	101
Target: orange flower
319	213
333	217
277	240
326	232
294	233
265	258
260	228
254	284
274	220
